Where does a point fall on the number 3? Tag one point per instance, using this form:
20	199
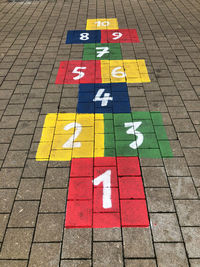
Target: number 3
132	130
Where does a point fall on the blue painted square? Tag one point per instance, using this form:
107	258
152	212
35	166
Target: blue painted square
83	37
103	98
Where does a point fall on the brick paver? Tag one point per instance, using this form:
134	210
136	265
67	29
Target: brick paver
33	189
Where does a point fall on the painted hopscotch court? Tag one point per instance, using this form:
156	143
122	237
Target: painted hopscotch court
104	140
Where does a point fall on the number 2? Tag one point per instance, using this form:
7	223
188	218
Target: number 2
78	129
132	130
80	73
105	178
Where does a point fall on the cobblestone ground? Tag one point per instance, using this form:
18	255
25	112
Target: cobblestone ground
33	193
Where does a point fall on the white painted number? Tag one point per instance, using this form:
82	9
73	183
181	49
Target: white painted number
132	130
103	98
78	129
118	74
105	178
84	36
102	23
117	35
80	73
103	51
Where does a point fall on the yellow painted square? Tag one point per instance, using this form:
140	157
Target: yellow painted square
85	119
99	141
47	135
53	141
50	120
61	155
99	152
66	116
85	151
117	71
102	24
43	151
99	126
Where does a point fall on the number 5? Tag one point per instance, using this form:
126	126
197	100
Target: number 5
80	73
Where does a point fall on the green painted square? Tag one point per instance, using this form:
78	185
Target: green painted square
124	150
150	141
109	141
108	116
165	149
109	152
121	118
108	126
146	126
160	133
121	135
141	115
108	52
156	118
149	153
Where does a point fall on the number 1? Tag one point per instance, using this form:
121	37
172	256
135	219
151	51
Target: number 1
105	178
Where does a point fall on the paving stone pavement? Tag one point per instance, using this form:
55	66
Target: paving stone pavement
33	193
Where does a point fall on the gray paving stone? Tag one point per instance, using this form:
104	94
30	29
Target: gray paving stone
6	199
24	214
57	177
16	244
188	212
107	254
77	243
44	254
176	167
75	263
49	228
154	177
3	224
140	263
171	254
107	234
10	177
13	263
142	247
182	188
192	241
159	200
165	227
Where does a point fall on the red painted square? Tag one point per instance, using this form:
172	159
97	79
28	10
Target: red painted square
131	188
101	170
78	71
106	220
80	188
79	214
81	167
98	200
105	162
61	72
119	36
134	213
128	166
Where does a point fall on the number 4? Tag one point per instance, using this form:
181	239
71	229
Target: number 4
104	100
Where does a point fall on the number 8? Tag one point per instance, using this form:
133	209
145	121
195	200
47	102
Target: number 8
84	36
